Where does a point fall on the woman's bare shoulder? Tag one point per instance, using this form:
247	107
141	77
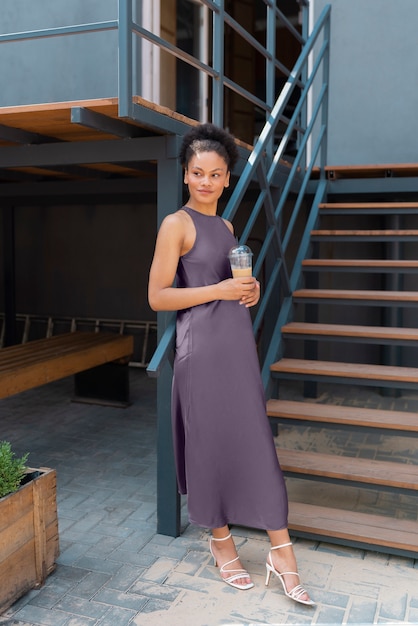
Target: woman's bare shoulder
175	221
178	217
229	225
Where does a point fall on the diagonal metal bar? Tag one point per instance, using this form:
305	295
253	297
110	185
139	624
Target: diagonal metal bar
271	219
284	195
298	110
268	292
17	135
289	26
253	217
296	163
164	349
304	185
270	126
174	50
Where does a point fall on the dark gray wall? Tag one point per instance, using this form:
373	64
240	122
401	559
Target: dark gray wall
84	261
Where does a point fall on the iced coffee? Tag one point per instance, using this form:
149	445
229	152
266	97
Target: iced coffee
241	260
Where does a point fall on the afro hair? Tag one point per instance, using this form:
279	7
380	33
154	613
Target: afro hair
209	138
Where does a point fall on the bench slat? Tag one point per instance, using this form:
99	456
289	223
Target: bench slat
42	349
45	360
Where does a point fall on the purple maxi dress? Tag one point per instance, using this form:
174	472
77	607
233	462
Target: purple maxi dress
225	456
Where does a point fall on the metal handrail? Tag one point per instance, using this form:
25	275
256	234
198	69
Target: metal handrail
128	29
216	71
60	31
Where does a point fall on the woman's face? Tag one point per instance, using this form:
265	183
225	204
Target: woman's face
206	176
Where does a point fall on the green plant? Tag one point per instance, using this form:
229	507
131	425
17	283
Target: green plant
12	469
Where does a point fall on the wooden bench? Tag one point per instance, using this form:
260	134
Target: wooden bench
99	362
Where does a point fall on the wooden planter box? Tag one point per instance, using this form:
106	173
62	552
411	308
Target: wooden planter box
29	542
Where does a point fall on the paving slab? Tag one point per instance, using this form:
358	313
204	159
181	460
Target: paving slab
116	570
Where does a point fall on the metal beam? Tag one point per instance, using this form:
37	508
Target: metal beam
79	153
71	192
17	135
11	176
106	124
157	121
78	171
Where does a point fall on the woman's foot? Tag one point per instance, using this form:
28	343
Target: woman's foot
225	556
282	562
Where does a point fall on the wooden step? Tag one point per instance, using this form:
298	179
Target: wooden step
334	371
314	413
365	235
381	334
363	530
366	264
371	171
357	295
353	470
368	208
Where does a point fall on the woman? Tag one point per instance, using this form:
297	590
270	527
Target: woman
225	456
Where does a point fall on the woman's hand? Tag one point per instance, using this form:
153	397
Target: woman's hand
253	296
246	290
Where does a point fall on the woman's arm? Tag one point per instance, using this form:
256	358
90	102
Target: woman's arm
162	296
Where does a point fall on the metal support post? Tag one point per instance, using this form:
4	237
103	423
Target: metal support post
125	58
218	64
168	499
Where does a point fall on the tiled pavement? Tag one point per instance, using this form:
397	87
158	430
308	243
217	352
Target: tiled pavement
114	569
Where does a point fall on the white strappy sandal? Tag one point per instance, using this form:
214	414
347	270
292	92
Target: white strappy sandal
297	592
236	574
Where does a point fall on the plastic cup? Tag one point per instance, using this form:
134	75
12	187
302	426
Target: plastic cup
241	260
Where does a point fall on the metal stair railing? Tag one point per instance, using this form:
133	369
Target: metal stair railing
213	72
130	29
283	272
284	269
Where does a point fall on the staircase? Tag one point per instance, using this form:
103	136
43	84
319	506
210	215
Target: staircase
354	329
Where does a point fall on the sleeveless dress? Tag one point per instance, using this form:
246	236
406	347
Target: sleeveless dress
226	461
